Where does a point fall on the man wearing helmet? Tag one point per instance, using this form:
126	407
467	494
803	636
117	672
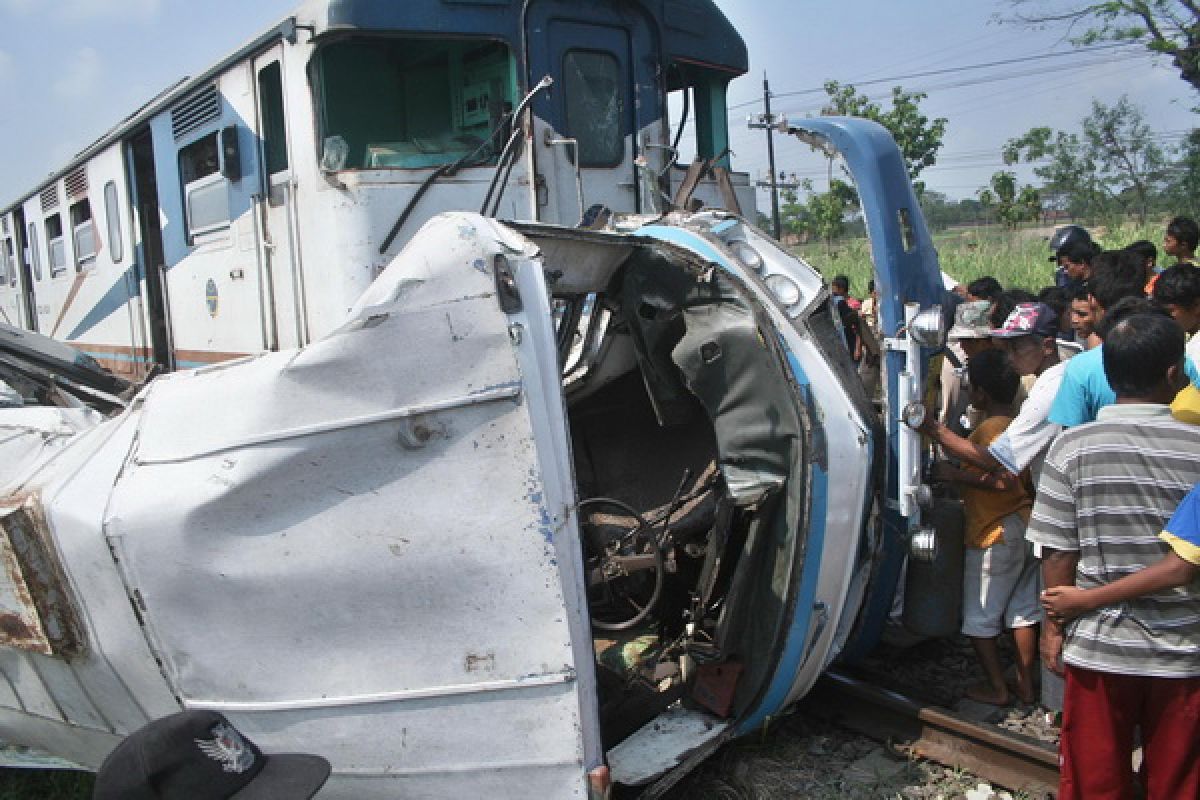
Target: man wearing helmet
1073	248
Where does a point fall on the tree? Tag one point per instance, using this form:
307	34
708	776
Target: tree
1170	27
1183	188
1123	146
823	215
918	137
1114	165
1013	203
1066	169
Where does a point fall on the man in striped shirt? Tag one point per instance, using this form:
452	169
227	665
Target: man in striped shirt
1105	492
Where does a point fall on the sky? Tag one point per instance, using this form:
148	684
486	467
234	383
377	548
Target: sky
71	69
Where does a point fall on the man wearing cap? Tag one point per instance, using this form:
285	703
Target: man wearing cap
1029	337
199	755
969	335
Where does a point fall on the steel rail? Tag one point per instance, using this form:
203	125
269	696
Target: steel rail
1004	758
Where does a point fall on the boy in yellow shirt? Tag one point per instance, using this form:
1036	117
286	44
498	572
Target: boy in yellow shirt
1000	574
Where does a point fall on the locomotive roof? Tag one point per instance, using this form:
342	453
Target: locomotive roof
692	32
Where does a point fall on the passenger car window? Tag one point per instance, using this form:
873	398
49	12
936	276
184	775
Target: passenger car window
56	246
112	216
9	271
592	88
83	232
205	189
35	258
274	133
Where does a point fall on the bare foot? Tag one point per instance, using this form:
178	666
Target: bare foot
986	693
1024	691
1025	694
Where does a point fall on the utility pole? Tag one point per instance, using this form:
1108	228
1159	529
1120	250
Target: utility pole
767	121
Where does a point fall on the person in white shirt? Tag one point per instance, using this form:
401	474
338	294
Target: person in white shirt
1029	337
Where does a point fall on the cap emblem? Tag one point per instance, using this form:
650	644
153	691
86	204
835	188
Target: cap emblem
227	748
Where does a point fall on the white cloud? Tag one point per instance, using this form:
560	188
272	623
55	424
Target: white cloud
82	75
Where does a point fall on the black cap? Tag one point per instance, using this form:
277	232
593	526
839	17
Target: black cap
199	755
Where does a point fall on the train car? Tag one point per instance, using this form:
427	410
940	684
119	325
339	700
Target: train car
245	209
551	509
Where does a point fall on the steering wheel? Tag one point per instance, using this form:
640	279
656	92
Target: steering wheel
625	571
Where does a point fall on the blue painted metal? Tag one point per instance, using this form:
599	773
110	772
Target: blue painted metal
796	640
687	240
902	275
796	637
557	29
115	299
694	31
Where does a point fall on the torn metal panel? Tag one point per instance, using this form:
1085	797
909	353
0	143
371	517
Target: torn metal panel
36	610
32	435
363	536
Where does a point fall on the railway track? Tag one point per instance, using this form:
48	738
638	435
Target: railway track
1001	757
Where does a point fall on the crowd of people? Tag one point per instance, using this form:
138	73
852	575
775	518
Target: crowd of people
1069	421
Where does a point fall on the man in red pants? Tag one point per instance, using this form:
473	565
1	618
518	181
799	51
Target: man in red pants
1106	492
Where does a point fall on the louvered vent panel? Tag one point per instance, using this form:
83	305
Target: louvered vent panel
49	198
77	183
200	109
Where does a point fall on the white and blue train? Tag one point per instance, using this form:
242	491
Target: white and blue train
243	210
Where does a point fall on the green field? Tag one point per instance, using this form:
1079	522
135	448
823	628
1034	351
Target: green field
1018	259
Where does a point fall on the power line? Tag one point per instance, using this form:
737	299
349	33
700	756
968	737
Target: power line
949	70
987	79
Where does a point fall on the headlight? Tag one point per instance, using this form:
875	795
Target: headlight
923	546
785	290
913	415
750	258
928	328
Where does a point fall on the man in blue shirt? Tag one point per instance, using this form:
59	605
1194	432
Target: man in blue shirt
1084	389
1117	275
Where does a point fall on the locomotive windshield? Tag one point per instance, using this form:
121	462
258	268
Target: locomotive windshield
410	103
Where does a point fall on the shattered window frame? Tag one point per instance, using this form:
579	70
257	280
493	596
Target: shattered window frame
608	150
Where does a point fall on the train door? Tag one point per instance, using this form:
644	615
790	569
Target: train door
21	259
602	58
139	154
284	304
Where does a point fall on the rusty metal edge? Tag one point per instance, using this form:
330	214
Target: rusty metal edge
1004	758
37	559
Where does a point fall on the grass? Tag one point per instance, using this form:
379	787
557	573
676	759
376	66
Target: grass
32	784
1017	259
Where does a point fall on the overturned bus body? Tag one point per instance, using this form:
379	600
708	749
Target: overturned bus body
552	509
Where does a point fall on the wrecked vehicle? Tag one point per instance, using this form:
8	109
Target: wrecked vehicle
554	509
